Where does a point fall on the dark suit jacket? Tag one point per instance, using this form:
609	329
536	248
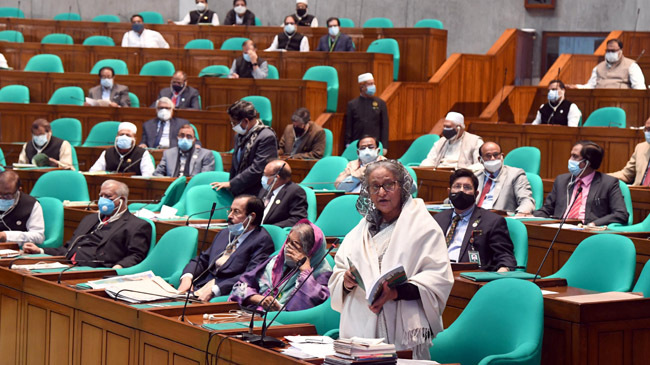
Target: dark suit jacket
605	202
125	242
189	98
119	94
249	18
344	44
312	143
288	207
150	127
493	243
251	253
247	178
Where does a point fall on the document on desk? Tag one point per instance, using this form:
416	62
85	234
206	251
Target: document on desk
566	226
8	253
600	297
141	291
104	283
40	266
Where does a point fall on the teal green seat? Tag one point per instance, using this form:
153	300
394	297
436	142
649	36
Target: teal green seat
218	161
102	134
99	40
199	44
350	152
627	197
68	129
278	234
519	237
75	161
202	178
233	44
62	185
511	308
200	199
152	17
378	23
215	71
537	188
602	262
169	256
329	143
9	12
418	150
414	189
324	173
120	67
135	101
53	219
57	38
263	106
387	46
610	116
429	23
643	283
196	131
107	18
68	17
18	94
158	68
643	226
329	75
322	316
3	162
68	95
44	63
153	234
12	36
172	195
346	23
273	73
526	158
312	204
339	216
258	22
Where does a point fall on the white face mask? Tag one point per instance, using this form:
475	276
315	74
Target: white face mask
289	28
201	6
164	114
492	165
238	129
612	57
240	9
334	31
368	155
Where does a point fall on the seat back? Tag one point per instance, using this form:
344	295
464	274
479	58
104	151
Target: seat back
73	155
322	316
273	73
378	23
215	70
324	173
329	142
602	262
418	150
414	188
233	44
329	75
67	17
10	12
120	67
68	129
519	237
62	185
200	199
3	162
53	219
199	44
99	40
202	178
152	17
263	106
643	283
18	94
102	134
12	36
158	68
44	63
610	116
57	38
172	195
350	152
68	95
107	18
339	216
153	234
278	234
312	204
258	22
527	158
429	23
537	188
388	46
218	161
346	23
135	101
627	197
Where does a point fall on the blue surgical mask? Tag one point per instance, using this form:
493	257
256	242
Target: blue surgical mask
106	83
40	140
5	204
334	31
247	58
137	27
185	144
289	28
647	136
371	90
106	206
553	96
367	155
237	229
123	142
265	182
574	167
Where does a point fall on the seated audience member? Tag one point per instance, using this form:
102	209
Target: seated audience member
635	171
304	241
301	17
162	132
596	198
3	63
202	15
457	148
239	14
21	215
125	156
185	159
351	178
302	139
367	114
108	91
113	236
502	187
615	72
289	39
255	145
140	37
44	149
234	251
474	234
181	94
335	41
558	110
248	65
285	203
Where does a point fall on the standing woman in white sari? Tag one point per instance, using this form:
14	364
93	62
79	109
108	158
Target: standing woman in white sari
397	229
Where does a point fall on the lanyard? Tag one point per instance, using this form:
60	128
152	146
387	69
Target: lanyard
332	43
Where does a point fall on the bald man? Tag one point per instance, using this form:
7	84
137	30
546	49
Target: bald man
181	94
21	216
285	203
456	148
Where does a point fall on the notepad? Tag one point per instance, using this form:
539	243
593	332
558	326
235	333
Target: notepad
600	297
489	276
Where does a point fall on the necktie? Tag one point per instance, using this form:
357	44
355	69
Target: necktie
159	133
452	229
574	213
646	178
230	249
486	189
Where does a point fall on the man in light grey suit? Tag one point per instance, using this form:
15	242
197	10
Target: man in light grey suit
117	95
502	187
187	159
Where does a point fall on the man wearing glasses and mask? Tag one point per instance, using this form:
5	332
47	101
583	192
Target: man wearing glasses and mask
180	93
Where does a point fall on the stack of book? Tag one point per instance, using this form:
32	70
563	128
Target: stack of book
362	351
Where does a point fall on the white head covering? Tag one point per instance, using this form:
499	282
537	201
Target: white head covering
365	77
456	118
3	61
302	1
128	126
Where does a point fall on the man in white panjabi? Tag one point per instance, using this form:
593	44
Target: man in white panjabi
457	148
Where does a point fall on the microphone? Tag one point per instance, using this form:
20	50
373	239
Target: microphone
69	12
640	55
75	264
559	228
636	22
211	211
90	203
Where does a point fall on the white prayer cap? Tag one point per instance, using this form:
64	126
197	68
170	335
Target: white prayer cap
456	118
365	77
128	126
302	1
3	61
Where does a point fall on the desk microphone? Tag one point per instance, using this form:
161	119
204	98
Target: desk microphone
116	297
640	55
211	211
75	264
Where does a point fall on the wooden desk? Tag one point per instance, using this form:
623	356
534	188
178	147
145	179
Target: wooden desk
432	184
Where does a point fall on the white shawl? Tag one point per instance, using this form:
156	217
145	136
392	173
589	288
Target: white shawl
417	243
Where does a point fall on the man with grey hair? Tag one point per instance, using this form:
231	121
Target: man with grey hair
161	132
456	148
112	238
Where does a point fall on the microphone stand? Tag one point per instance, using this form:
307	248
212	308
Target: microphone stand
211	211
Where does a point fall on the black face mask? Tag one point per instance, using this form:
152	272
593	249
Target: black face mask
177	88
301	12
449	133
298	131
461	201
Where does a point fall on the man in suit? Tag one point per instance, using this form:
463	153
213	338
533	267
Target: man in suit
335	41
115	94
502	187
21	215
636	170
113	236
186	159
255	145
162	132
45	149
457	148
595	198
125	156
234	251
180	93
302	139
285	202
249	65
474	234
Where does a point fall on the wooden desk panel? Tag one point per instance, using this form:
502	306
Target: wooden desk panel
432	184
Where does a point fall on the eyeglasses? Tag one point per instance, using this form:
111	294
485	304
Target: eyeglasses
463	187
8	196
491	156
389	187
